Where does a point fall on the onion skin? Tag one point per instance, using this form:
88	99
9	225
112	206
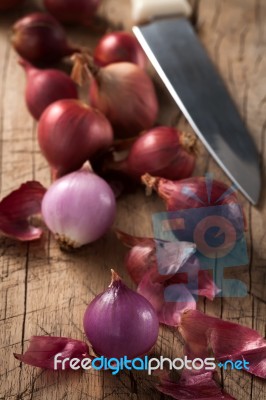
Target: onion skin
72	11
162	151
125	94
119	47
78	208
17	209
70	133
40	39
44	87
119	322
8	4
43	349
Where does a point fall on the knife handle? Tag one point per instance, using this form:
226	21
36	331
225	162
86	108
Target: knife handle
145	10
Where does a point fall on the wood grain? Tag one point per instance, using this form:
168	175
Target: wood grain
45	291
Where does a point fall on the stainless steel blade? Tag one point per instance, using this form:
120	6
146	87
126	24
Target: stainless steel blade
188	73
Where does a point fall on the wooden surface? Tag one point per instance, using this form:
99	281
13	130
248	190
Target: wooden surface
45	291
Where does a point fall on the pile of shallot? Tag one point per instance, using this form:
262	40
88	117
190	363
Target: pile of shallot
116	131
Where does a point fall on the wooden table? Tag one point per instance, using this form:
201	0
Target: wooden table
45	291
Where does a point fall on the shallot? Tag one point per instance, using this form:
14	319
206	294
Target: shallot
44	87
40	39
118	47
71	132
120	322
161	151
78	208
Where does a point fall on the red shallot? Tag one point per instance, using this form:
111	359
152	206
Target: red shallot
71	132
40	39
161	151
118	47
122	91
44	87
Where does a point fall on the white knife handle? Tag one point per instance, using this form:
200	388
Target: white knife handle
145	10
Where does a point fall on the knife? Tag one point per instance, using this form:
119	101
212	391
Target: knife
192	80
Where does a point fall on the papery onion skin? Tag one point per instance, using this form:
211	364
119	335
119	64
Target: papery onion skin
44	87
72	11
120	322
193	384
8	4
18	207
119	47
43	349
71	132
79	208
126	95
40	39
161	151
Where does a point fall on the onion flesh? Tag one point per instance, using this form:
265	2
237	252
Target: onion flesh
78	208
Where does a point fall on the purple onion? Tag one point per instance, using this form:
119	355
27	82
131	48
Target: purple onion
120	322
79	208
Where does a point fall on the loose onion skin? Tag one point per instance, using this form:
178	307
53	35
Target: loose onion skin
44	87
40	39
78	208
72	11
8	4
119	322
126	95
119	47
70	133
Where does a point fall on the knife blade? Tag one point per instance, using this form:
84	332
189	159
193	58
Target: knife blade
182	63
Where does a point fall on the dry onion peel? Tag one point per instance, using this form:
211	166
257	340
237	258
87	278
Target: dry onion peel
226	340
42	350
193	385
178	263
18	207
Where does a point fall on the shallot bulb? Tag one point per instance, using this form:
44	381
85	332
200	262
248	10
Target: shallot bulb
72	10
71	132
126	95
198	192
8	4
120	322
44	87
40	39
118	47
78	208
195	192
162	151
